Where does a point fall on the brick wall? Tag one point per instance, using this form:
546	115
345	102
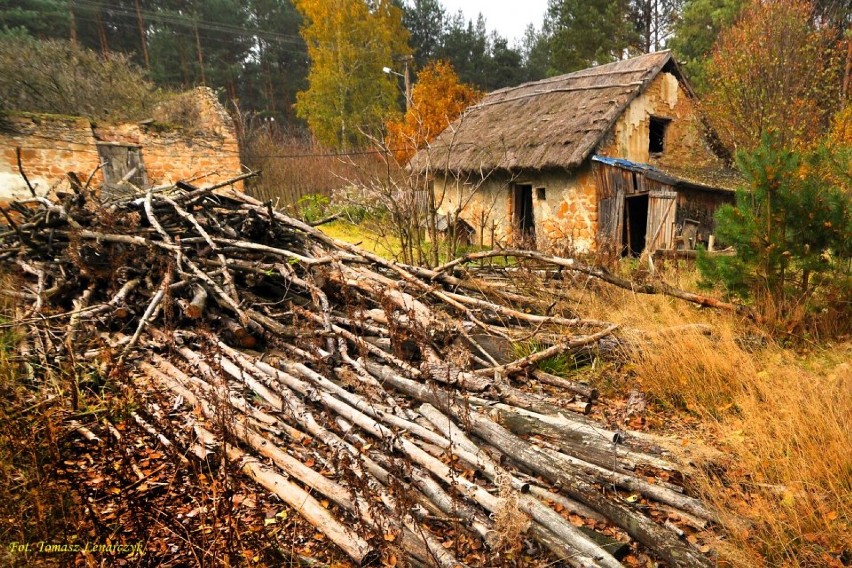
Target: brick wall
51	146
209	148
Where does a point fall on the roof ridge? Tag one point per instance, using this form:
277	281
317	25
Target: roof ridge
594	71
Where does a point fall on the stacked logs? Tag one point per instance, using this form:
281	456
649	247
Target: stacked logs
359	390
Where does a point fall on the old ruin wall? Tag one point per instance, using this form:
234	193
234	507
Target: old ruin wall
51	146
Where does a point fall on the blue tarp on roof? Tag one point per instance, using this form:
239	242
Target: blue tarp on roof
622	163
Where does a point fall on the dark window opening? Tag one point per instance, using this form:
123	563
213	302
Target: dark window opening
635	225
523	215
657	135
540	193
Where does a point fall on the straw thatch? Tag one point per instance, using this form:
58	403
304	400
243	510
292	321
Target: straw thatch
552	123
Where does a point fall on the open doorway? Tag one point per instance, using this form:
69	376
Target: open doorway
635	225
524	217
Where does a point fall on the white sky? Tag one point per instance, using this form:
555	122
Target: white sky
509	17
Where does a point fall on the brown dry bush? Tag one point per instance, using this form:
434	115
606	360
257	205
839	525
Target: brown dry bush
295	169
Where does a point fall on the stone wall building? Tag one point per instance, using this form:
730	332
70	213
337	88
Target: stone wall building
154	152
613	156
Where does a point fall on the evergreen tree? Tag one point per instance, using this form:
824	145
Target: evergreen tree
424	20
43	19
654	22
465	45
790	228
535	54
696	32
277	67
582	33
505	67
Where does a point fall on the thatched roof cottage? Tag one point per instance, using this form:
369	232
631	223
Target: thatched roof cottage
613	156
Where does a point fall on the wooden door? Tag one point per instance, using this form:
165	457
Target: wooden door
122	163
661	220
610	210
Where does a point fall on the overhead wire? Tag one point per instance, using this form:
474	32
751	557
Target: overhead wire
191	21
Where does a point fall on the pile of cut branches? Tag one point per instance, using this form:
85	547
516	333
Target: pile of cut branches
360	391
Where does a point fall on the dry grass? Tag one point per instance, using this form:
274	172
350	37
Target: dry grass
34	506
510	523
791	470
782	417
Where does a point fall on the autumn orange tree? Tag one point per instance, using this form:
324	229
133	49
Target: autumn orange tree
778	72
437	99
349	41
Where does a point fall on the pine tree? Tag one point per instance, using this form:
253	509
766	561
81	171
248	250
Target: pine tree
582	33
424	19
790	228
695	33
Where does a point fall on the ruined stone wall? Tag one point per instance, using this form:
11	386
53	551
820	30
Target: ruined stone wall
51	146
172	156
208	147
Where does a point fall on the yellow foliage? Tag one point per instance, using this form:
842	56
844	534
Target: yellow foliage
349	41
776	72
840	134
437	99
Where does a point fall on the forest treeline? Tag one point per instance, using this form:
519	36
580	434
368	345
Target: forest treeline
260	54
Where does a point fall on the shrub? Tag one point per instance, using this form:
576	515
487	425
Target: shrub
313	207
790	230
60	77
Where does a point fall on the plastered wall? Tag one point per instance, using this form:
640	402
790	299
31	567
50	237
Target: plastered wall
685	142
566	217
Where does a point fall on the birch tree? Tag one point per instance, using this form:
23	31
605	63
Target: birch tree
349	42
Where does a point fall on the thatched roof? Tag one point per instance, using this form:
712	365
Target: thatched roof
552	123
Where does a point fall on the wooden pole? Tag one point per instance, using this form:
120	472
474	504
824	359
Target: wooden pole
142	39
72	20
200	57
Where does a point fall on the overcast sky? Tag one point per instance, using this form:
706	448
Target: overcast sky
509	17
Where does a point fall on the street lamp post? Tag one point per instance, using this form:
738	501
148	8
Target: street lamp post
406	77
